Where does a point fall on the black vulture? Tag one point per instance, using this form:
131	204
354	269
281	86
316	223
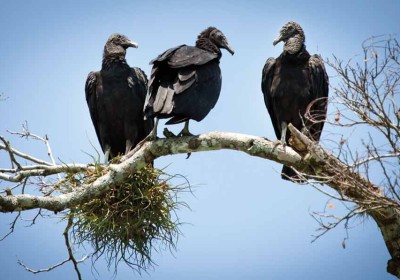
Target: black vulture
185	81
115	96
292	84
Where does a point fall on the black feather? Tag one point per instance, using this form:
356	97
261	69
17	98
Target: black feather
289	84
115	96
185	81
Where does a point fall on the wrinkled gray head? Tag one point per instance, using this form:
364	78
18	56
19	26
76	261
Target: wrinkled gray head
293	37
216	37
117	45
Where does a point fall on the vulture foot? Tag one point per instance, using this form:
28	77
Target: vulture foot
185	131
168	134
277	143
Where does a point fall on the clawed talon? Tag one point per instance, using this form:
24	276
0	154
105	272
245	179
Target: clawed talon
168	134
185	133
277	143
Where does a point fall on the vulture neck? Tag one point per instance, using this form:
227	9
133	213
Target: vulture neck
294	44
207	45
296	58
114	58
113	62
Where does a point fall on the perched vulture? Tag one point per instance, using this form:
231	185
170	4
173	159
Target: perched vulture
115	96
186	81
294	84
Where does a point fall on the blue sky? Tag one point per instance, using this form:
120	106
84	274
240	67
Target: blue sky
245	223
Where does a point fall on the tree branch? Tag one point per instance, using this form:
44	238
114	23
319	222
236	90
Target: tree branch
20	174
148	151
25	156
312	161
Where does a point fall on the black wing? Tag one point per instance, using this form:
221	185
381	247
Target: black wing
266	87
92	86
165	55
187	56
319	93
173	72
159	64
201	86
140	83
138	79
182	56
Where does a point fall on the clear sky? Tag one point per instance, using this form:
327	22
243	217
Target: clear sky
245	223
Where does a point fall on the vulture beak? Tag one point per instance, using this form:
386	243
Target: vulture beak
228	48
132	44
277	40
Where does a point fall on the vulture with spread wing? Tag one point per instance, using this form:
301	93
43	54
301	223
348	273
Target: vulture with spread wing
185	81
115	96
295	88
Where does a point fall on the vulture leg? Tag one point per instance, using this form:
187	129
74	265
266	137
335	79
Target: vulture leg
281	141
276	144
107	151
283	133
128	146
153	133
185	131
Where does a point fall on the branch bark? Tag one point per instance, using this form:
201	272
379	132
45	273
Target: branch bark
355	188
147	152
310	160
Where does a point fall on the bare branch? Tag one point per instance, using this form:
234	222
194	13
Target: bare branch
12	226
117	173
367	97
376	158
8	149
35	271
325	227
43	170
69	248
71	256
25	156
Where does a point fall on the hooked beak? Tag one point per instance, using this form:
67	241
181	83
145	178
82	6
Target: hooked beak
228	48
132	44
277	40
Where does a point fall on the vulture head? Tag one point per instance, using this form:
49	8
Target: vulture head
216	37
117	45
293	37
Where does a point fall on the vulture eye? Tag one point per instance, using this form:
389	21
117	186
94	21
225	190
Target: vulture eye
216	35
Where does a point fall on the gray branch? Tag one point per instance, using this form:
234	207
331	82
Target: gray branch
312	162
25	156
18	175
252	145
